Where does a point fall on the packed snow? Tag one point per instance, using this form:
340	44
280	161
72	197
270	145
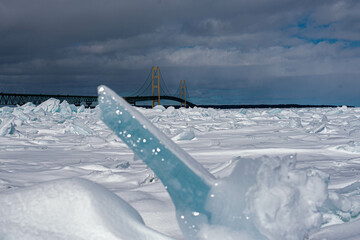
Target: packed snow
278	174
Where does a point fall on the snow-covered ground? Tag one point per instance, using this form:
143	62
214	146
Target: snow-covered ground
56	141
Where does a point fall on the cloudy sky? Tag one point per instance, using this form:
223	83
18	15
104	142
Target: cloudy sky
228	51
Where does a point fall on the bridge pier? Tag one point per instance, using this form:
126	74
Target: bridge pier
155	76
183	92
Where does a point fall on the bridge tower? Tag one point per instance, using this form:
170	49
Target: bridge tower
155	84
183	92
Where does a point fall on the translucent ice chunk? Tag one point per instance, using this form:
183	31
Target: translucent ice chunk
27	107
51	105
79	128
187	182
19	114
6	110
274	111
73	108
65	109
7	126
81	109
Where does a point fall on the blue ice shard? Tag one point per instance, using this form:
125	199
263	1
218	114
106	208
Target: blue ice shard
187	182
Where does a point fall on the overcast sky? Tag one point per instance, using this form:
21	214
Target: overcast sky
228	51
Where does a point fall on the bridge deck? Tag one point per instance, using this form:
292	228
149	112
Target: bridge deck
13	99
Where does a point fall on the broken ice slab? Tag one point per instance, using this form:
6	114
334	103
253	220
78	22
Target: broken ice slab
187	182
7	126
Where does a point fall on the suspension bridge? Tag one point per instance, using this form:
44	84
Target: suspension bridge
154	89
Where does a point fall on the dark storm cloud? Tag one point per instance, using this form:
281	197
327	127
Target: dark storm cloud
260	48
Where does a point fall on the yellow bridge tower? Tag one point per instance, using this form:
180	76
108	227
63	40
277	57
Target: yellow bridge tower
155	84
183	92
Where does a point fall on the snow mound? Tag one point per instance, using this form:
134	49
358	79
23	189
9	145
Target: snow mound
348	231
159	108
186	135
351	146
70	209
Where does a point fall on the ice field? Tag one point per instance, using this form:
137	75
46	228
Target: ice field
278	174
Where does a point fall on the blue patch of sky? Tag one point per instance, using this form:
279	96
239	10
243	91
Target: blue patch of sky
317	40
305	22
301	24
346	43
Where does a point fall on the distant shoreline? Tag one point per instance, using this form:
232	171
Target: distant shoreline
246	106
257	106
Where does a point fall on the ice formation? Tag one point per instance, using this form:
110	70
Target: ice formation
253	197
7	126
65	109
262	199
185	135
345	202
51	105
70	209
79	128
187	182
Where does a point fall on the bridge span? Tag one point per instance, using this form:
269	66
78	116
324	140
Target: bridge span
13	99
133	100
149	91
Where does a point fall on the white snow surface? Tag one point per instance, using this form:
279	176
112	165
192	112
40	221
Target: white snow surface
65	175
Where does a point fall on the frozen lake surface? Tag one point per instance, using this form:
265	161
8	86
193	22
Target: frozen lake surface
57	141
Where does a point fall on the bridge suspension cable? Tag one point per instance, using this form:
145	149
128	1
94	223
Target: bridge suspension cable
143	89
167	92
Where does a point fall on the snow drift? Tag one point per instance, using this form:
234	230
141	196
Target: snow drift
70	209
